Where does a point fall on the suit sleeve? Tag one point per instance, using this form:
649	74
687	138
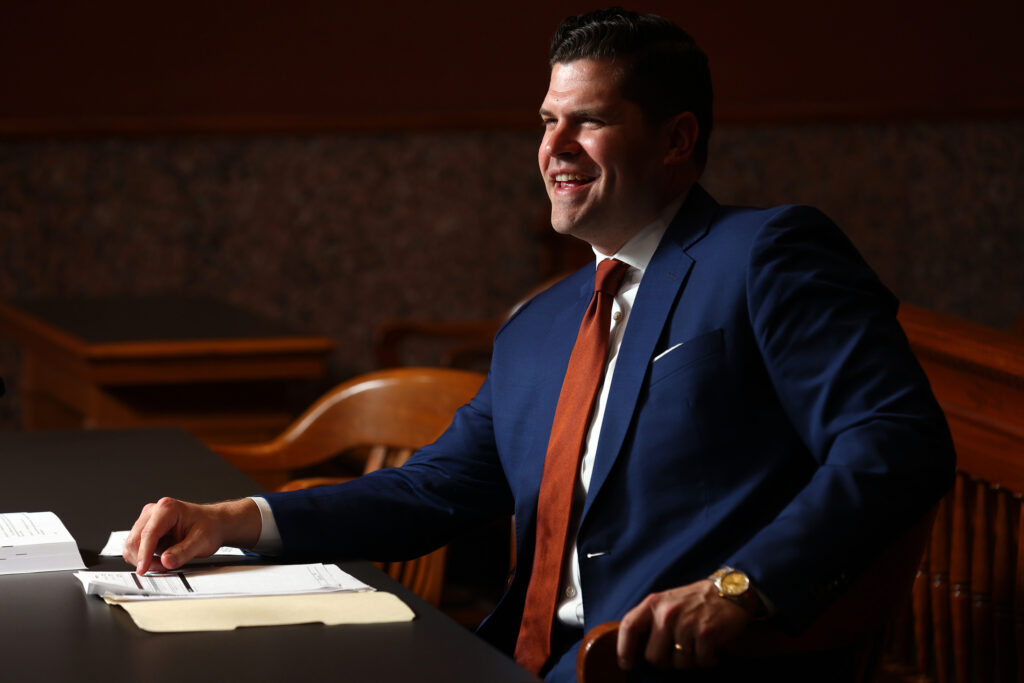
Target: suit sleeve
403	512
850	385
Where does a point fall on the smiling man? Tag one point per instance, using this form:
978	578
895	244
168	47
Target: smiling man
607	170
719	420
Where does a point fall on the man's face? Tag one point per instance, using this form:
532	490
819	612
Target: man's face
603	165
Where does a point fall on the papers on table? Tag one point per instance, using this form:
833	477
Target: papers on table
36	542
221	582
115	547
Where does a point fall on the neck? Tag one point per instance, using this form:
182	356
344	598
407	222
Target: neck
609	245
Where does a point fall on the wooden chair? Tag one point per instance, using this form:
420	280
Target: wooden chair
465	342
966	620
387	415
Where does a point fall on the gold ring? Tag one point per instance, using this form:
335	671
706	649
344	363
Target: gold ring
681	648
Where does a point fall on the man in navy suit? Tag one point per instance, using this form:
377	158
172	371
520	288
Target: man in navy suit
761	430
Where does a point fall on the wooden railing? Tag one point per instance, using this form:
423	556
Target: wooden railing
966	619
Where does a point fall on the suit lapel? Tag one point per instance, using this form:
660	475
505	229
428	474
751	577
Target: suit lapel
659	289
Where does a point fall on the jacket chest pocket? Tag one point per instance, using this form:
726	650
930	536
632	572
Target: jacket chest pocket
682	355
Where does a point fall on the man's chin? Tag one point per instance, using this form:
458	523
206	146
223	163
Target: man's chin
567	224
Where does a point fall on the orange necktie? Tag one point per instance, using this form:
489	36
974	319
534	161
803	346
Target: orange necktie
561	465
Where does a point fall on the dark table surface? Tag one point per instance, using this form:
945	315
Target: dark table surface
97	482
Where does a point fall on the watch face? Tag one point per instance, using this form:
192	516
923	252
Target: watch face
735	583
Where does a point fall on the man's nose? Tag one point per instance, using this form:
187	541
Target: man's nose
561	142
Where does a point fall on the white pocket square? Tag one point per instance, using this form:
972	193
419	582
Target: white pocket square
667	351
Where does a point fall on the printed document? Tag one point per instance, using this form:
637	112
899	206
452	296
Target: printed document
289	579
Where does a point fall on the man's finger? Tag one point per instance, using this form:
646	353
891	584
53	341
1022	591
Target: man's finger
197	543
682	655
162	519
662	638
705	654
131	543
632	628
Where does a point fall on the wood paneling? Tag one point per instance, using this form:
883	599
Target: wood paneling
118	66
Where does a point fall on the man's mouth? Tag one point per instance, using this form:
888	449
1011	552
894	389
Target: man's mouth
569	180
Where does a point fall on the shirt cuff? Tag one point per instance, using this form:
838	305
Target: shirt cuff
269	542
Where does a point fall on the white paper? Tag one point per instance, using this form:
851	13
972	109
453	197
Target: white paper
221	582
115	547
36	542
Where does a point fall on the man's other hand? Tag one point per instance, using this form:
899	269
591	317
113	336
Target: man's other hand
181	531
681	628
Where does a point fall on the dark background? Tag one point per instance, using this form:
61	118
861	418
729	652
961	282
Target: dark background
336	164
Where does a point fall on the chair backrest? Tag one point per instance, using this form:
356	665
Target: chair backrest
966	619
396	410
464	343
388	414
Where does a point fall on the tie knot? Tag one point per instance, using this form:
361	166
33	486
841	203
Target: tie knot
609	276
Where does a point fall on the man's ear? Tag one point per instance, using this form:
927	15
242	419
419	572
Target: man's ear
682	130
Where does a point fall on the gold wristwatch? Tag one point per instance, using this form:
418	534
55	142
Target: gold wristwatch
734	585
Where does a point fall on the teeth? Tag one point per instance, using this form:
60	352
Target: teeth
566	177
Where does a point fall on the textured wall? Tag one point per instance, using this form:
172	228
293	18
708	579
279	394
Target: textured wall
336	233
937	209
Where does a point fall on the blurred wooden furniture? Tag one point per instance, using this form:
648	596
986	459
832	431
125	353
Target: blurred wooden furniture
966	620
388	414
220	372
464	343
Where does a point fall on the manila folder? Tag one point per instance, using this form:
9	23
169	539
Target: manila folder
225	614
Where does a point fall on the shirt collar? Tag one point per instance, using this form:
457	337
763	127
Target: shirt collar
639	250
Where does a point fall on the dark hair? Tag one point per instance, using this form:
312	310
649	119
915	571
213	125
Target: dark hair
663	70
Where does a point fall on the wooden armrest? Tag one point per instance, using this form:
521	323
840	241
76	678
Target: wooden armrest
597	662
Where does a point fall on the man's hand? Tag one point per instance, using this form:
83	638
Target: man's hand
181	531
682	628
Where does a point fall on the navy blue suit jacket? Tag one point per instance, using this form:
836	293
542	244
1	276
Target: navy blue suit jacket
765	413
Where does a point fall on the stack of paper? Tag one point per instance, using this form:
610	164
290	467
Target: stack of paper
36	542
219	582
